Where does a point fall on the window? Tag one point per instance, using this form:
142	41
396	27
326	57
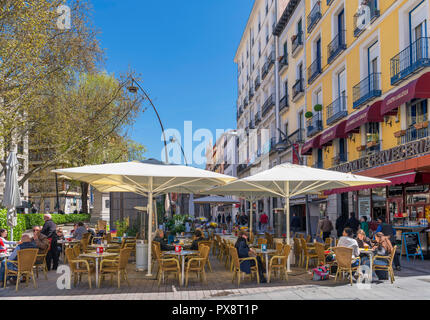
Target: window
107	204
285	48
372	137
286	88
416	112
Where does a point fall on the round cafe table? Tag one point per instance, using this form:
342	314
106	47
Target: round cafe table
182	254
96	257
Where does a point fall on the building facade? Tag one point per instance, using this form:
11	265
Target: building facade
367	103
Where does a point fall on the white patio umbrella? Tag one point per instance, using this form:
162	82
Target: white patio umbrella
147	179
289	180
11	196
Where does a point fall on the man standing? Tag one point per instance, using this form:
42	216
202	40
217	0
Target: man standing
325	226
50	230
264	219
353	223
340	224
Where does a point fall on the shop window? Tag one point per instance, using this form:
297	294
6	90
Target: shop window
372	137
417	112
395	191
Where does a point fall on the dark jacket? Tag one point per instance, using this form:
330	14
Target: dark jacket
50	229
228	219
163	244
295	222
362	242
353	223
195	244
388	231
243	252
340	225
41	242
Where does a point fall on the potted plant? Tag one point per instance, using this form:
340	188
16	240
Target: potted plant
309	114
318	108
399	133
418	125
361	148
425	124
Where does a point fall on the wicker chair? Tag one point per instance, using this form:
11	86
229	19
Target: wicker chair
25	264
116	266
279	262
298	252
208	244
76	250
216	245
344	261
166	266
108	237
78	267
236	266
269	238
328	243
308	238
41	263
198	264
389	267
308	254
320	252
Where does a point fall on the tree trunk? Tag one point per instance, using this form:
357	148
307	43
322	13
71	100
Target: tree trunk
84	197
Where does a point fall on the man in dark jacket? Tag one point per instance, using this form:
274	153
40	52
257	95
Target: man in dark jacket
159	237
353	223
340	224
295	223
198	237
50	230
243	251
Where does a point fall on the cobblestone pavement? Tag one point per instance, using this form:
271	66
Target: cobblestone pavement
413	282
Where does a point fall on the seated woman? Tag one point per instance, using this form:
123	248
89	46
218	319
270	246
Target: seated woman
159	237
198	236
244	251
382	247
363	241
5	244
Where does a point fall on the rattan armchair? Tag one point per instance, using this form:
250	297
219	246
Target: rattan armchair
78	267
308	254
328	243
198	264
116	266
236	266
40	263
208	244
279	262
344	261
166	266
389	266
320	252
298	253
25	265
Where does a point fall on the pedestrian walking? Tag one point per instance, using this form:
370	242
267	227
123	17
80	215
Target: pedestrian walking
264	219
325	227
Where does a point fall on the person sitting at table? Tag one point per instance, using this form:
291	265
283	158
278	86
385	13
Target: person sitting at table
362	239
198	237
348	241
60	234
26	243
159	237
244	251
40	240
6	243
80	230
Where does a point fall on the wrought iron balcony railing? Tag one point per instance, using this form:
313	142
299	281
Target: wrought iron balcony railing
337	110
297	41
283	103
314	124
360	17
298	87
336	46
314	70
270	102
367	89
314	16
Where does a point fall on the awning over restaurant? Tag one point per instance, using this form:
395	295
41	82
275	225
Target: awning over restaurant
396	179
419	88
337	131
309	145
369	114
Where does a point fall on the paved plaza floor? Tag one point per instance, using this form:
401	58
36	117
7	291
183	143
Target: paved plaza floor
413	282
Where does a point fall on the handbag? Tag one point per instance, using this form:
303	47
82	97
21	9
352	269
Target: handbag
320	273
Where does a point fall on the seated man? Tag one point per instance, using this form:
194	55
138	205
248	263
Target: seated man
159	237
40	240
26	243
244	251
198	237
79	231
348	241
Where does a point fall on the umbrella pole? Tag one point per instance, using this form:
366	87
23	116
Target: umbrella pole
287	216
150	208
250	218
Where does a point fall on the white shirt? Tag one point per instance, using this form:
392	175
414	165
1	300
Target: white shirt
349	243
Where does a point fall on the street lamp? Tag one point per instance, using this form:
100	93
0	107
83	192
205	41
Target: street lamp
282	146
174	140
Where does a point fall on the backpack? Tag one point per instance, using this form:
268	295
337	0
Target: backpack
320	273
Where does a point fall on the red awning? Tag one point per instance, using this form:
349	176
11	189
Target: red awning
419	88
396	179
370	114
338	131
309	145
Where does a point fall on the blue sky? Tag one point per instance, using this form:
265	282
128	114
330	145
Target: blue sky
184	52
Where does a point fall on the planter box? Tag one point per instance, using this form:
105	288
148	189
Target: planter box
361	148
418	125
371	144
400	133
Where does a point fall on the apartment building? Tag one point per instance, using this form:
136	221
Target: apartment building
367	103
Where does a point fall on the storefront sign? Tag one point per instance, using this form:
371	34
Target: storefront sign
398	153
364	206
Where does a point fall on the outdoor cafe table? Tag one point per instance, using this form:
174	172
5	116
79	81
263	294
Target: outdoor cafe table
370	253
266	256
96	257
182	254
107	246
65	243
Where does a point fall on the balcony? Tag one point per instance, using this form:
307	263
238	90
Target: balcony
273	143
413	134
314	124
283	103
264	70
240	112
298	88
336	47
314	70
251	125
251	93
373	144
283	62
296	42
360	20
410	60
257	118
241	167
270	102
367	89
314	16
257	83
270	60
245	102
339	159
297	136
337	110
